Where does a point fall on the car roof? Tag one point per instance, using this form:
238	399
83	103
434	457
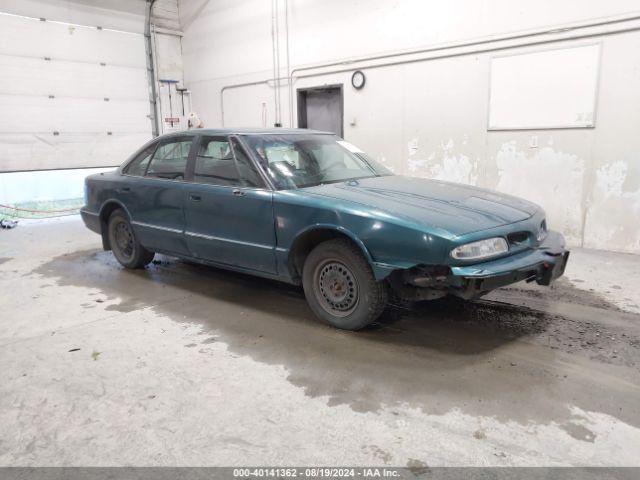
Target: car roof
250	131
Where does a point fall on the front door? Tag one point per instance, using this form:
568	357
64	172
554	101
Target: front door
228	209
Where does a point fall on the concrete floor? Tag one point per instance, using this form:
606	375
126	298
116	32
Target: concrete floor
186	365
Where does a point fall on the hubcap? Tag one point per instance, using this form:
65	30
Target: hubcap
124	239
336	288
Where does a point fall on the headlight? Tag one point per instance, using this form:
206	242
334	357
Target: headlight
542	233
480	249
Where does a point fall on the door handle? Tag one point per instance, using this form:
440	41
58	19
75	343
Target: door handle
238	193
125	189
195	198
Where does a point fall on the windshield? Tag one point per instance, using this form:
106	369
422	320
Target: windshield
306	160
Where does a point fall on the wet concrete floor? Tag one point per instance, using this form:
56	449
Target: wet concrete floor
525	376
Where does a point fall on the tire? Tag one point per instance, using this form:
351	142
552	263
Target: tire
340	287
124	244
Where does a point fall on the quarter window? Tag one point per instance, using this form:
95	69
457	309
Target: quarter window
170	160
139	165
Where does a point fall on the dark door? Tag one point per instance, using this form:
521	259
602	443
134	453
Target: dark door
155	193
228	209
321	109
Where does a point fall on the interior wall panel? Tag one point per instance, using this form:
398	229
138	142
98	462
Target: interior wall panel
28	37
22	152
123	15
72	115
71	96
35	77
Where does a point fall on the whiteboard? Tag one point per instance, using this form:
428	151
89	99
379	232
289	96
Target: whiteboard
545	89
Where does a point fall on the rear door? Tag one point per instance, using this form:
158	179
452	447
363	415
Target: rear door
228	207
155	194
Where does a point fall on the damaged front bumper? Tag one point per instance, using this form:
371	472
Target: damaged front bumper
542	264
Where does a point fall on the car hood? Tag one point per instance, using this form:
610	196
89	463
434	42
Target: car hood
455	208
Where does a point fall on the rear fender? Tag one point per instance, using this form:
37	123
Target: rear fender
105	211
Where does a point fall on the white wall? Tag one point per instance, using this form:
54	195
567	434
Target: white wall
73	93
90	131
429	117
50	185
166	36
123	15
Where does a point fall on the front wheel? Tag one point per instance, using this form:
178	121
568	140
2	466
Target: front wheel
340	286
124	244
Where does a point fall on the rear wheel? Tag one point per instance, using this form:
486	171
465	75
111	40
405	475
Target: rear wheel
340	286
124	244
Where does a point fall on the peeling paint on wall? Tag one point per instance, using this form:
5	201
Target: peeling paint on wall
444	164
548	177
386	163
615	199
456	169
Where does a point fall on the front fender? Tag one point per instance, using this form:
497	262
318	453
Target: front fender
337	228
289	258
380	270
388	243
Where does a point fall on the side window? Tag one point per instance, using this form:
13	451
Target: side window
170	159
215	164
246	167
139	164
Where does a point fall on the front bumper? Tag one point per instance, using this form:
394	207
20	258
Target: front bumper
543	264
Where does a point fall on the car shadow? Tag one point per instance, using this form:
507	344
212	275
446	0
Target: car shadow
460	327
480	357
447	325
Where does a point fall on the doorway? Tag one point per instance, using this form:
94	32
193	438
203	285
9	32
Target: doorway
321	108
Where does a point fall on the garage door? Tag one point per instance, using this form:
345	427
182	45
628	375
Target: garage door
71	96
